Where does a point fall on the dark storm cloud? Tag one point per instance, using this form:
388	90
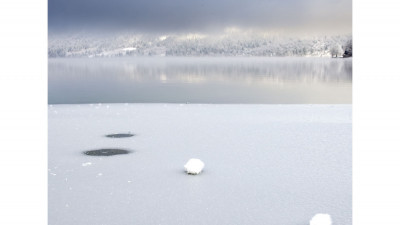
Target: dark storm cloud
196	15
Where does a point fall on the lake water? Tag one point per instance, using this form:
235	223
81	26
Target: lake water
200	80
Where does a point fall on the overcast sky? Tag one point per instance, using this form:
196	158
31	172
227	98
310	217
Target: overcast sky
198	15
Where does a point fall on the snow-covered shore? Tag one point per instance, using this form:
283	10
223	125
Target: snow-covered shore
266	164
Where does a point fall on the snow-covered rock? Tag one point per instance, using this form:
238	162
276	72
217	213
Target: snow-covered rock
194	166
321	219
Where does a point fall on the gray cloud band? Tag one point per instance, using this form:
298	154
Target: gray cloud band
197	15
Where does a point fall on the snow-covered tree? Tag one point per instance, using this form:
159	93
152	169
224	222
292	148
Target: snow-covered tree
348	50
174	45
336	50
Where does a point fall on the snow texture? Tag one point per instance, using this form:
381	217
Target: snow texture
266	164
194	166
321	219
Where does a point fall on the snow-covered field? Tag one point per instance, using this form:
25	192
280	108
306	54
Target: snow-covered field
264	164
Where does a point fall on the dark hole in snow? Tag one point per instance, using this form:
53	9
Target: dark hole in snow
121	135
106	152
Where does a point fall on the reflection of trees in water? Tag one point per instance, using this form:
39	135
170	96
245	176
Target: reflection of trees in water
193	70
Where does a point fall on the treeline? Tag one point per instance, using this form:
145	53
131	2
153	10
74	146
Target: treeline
174	45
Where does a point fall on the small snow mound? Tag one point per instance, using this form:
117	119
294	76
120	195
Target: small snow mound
194	166
321	219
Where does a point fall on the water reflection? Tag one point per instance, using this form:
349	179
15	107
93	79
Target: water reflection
200	80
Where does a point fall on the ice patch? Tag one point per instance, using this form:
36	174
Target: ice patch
194	166
106	152
120	135
321	219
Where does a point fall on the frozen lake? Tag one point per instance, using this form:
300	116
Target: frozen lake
264	164
200	80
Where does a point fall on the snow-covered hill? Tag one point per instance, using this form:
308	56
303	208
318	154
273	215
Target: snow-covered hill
225	44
